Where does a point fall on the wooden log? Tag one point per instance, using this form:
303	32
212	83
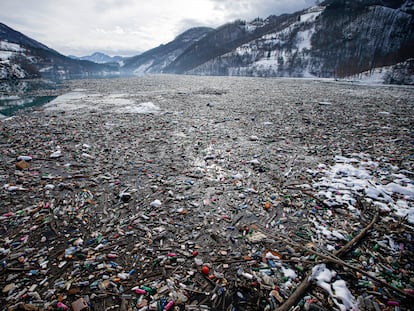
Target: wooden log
299	292
348	246
306	284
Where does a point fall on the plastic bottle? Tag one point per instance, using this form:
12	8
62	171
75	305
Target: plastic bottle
140	291
169	305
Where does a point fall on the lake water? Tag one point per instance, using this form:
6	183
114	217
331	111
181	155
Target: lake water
10	105
16	95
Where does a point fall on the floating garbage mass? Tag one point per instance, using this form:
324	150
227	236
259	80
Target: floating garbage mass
209	193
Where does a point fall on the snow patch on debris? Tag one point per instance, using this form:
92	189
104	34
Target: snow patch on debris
329	234
338	290
359	177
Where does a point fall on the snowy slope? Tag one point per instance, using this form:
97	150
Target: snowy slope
157	59
9	68
324	41
333	40
99	58
22	57
401	73
273	54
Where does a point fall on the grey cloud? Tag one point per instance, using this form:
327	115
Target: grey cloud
248	9
109	5
186	24
127	25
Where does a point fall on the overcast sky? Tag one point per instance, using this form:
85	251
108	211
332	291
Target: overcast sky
127	27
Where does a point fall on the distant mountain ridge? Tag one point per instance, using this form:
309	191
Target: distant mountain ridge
157	59
336	39
22	57
99	58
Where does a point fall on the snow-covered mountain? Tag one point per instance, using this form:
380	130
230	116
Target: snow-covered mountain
157	59
99	58
22	57
338	38
10	69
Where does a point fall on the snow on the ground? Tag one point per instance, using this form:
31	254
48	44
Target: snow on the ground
375	76
304	39
8	50
338	290
399	73
8	70
142	68
311	14
7	46
5	55
360	177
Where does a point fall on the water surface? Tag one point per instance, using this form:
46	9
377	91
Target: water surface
21	94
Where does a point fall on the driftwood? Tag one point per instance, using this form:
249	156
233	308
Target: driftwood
336	260
348	246
303	287
299	292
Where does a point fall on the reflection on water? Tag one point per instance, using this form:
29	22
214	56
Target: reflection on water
9	106
21	94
